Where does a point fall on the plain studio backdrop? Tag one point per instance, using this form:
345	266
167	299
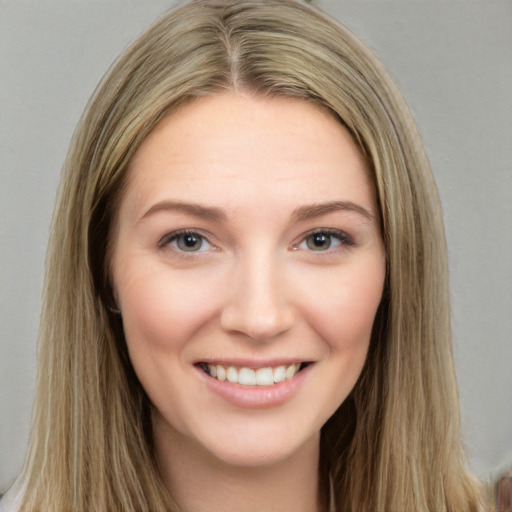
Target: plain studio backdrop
453	62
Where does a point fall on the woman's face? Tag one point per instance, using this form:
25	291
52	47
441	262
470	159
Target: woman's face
248	267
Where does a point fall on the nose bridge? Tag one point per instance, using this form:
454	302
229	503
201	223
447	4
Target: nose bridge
259	304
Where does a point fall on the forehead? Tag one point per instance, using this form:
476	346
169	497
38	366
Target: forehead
271	149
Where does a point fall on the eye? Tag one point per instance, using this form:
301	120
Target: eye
187	241
324	240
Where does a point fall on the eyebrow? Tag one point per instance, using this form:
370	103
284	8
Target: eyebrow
302	213
317	210
197	210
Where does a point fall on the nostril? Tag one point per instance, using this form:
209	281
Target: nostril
258	306
257	326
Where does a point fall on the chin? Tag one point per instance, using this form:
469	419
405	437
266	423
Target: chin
256	444
259	457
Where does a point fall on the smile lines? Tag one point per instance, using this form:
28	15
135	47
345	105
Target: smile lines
248	377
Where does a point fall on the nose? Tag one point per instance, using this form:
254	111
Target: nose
259	304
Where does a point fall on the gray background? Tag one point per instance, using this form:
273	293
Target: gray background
452	60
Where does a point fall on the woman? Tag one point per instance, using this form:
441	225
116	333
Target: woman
246	300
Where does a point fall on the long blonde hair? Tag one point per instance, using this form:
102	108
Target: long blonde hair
394	444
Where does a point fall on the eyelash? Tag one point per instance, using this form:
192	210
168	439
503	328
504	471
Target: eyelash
174	236
342	238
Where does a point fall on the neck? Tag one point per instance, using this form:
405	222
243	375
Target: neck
198	481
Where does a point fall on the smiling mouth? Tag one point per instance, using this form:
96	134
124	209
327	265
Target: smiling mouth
244	376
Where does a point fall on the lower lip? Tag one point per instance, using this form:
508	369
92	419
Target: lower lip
256	397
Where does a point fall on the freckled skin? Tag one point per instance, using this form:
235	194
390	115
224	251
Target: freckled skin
254	289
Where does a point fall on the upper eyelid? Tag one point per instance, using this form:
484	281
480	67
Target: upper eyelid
345	241
341	234
193	231
329	231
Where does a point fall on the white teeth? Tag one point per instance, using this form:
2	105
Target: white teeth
264	377
279	374
221	372
248	377
291	370
232	375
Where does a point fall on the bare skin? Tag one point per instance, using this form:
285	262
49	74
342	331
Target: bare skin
285	485
247	248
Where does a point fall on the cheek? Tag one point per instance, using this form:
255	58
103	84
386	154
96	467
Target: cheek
160	310
344	310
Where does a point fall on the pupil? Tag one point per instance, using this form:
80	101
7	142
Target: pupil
320	241
189	242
